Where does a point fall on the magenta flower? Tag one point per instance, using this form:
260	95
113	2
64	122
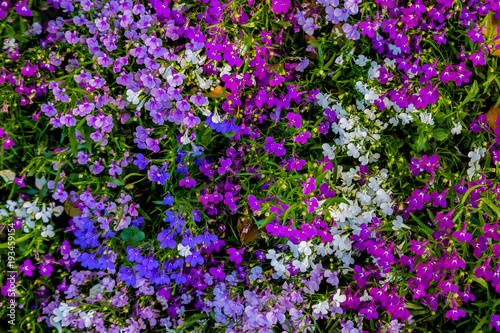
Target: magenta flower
463	235
235	255
27	268
455	312
218	273
495	322
46	270
229	200
309	186
22	8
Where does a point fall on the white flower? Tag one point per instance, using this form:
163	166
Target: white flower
339	60
323	100
7	175
280	269
457	128
370	114
365	297
39	182
184	250
386	208
48	231
293	248
305	248
44	214
165	72
391	63
361	61
60	315
185	139
10	43
192	57
329	151
338	298
352	150
395	50
11	205
426	118
322	250
95	290
321	307
31	208
87	317
28	223
405	118
55	210
204	83
133	97
360	105
398	224
225	70
476	155
3	213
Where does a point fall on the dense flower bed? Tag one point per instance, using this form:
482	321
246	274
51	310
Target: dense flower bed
250	165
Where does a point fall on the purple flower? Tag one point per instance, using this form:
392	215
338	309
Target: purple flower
295	119
495	322
310	26
218	273
22	8
140	161
351	31
352	6
254	204
229	200
463	235
235	255
45	270
455	313
127	275
309	186
20	181
225	165
27	268
168	200
438	199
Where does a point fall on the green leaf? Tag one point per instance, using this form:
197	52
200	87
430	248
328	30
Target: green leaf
472	93
492	206
143	213
132	236
480	324
114	181
439	134
481	281
427	230
413	306
18	240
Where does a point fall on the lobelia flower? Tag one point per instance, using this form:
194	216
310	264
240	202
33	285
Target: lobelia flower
455	313
23	9
235	255
463	235
27	268
495	322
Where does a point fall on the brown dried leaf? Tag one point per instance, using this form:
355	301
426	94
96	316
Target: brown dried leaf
248	230
492	33
217	92
492	116
310	40
71	210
